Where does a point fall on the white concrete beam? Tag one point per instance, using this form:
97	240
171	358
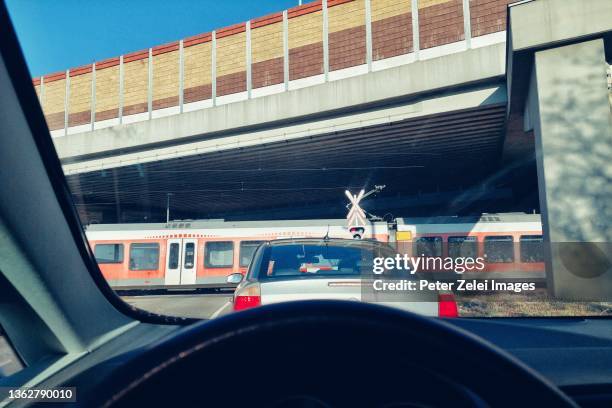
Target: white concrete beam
480	97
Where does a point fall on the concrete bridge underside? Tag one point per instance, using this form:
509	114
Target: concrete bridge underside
426	132
437	155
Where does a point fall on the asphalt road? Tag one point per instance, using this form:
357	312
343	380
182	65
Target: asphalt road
206	306
201	306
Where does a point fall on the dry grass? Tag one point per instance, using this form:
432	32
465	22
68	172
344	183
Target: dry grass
535	303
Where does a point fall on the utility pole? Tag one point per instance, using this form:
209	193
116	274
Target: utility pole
168	207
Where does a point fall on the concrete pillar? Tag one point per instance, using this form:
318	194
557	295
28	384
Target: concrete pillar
570	113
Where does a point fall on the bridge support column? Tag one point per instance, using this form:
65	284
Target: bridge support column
569	110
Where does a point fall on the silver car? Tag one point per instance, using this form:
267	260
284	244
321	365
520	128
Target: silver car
326	268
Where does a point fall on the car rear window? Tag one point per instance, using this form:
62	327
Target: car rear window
304	260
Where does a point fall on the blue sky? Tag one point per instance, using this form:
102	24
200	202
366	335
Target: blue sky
59	34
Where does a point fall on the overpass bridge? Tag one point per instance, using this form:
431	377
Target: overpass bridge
335	94
433	98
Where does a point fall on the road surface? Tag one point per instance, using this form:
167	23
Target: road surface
206	306
201	306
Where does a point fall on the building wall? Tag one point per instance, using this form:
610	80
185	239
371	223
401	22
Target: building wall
166	76
305	41
391	28
440	22
197	67
267	51
347	33
231	60
135	82
488	16
79	106
53	102
107	89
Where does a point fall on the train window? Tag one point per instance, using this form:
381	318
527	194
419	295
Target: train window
462	247
189	255
219	254
429	246
499	249
532	248
144	256
247	249
108	253
173	256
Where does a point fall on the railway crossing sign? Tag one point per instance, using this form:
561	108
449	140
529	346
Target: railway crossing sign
356	216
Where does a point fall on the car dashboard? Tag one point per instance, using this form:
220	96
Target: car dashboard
573	353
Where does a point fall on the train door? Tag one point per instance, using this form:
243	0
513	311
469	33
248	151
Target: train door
181	261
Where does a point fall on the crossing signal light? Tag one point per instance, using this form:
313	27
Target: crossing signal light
357	232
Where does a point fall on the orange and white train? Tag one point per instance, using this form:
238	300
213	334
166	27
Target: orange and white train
192	254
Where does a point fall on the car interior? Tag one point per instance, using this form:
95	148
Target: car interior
68	328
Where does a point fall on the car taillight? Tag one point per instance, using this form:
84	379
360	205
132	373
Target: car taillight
247	298
447	307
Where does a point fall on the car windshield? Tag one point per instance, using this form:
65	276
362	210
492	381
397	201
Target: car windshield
227	155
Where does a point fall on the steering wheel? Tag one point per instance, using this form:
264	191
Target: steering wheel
325	354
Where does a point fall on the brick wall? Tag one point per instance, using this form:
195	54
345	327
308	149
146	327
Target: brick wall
79	106
197	67
231	60
391	28
166	76
107	89
53	102
347	33
135	82
440	22
305	40
488	16
267	50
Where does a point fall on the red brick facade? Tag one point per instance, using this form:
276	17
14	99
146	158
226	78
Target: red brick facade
166	102
79	118
392	36
488	16
231	83
135	108
266	73
306	61
441	24
347	48
107	114
55	120
197	93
